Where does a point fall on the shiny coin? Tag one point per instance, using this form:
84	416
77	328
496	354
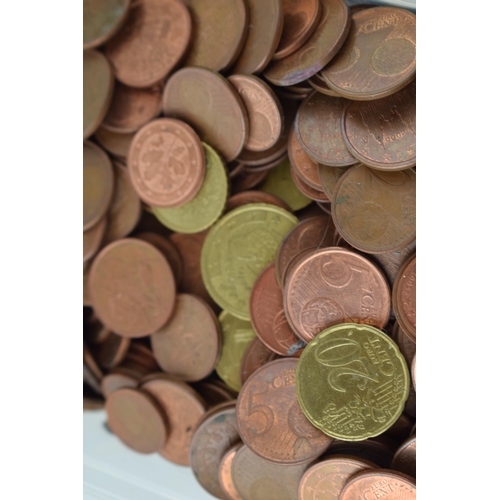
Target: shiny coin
225	476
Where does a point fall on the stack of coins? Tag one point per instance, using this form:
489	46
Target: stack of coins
249	241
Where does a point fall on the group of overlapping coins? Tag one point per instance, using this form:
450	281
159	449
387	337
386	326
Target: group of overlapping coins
249	257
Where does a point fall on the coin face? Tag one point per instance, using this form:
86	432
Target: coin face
241	245
270	420
225	477
333	286
97	90
375	211
405	459
256	356
382	134
166	161
97	184
152	41
211	105
307	189
305	167
318	51
378	57
352	382
92	239
132	288
188	346
114	381
219	32
328	177
115	143
404	297
208	204
391	262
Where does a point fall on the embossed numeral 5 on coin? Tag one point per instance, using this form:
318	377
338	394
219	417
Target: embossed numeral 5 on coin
254	409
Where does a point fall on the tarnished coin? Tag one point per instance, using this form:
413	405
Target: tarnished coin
270	420
137	420
414	371
404	298
259	479
295	262
352	382
391	262
132	288
385	483
328	177
183	408
325	480
256	356
318	51
97	90
102	19
97	184
406	344
237	249
246	197
111	351
188	346
212	393
377	450
405	459
114	381
378	57
375	211
333	286
237	335
151	43
225	476
211	105
300	20
219	31
92	239
208	204
319	130
264	32
268	317
317	82
382	134
166	161
115	143
305	167
213	437
306	189
265	114
132	108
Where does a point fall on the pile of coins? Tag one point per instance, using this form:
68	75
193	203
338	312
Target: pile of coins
249	241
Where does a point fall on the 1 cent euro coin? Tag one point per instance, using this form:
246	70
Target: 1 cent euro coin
352	382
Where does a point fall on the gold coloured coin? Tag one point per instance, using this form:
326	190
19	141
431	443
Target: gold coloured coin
238	248
352	382
206	207
237	335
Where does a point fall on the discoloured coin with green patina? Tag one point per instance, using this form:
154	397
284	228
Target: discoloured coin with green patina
237	249
280	183
352	382
237	335
206	207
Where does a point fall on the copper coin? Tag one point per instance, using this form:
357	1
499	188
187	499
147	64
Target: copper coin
211	105
414	371
270	420
296	260
142	355
212	393
306	189
246	197
401	429
374	211
169	251
268	317
132	108
97	90
153	40
326	206
90	379
379	483
137	419
234	168
132	288
319	130
94	331
265	114
300	20
335	286
382	134
318	51
264	32
188	346
97	184
391	262
92	239
411	403
115	143
325	480
306	168
406	344
112	351
378	57
314	232
166	162
225	477
258	479
377	450
87	301
318	83
256	356
102	19
114	381
213	437
404	297
89	361
247	180
267	166
220	28
405	459
183	408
